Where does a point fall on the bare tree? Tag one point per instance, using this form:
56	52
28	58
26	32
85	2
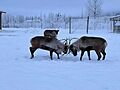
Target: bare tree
94	8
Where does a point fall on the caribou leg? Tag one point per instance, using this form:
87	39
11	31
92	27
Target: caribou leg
104	54
57	54
51	51
48	49
88	52
82	53
32	50
98	54
51	54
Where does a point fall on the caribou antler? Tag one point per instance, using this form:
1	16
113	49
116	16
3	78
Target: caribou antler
71	40
67	41
64	40
70	43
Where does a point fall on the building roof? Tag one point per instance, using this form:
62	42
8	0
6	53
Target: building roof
2	12
115	18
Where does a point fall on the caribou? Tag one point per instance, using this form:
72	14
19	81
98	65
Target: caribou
51	33
49	44
87	43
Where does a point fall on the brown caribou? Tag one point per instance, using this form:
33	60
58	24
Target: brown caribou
51	33
49	44
87	43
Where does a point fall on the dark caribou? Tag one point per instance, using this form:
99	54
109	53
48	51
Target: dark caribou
51	44
86	43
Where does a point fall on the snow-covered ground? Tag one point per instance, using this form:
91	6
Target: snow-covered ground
19	72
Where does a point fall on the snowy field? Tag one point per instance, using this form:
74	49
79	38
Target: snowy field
19	72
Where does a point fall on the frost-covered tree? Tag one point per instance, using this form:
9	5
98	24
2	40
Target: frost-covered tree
94	8
51	20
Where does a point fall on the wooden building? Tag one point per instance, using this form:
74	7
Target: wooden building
115	23
1	12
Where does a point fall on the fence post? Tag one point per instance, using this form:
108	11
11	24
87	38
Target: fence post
69	25
87	24
1	19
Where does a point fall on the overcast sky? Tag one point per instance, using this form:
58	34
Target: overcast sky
69	7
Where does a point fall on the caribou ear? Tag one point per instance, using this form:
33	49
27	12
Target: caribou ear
56	31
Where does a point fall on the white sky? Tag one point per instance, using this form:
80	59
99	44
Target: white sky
69	7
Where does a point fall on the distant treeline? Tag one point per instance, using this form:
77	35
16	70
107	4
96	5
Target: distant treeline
42	21
53	21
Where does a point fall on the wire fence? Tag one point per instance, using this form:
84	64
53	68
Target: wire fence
61	21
